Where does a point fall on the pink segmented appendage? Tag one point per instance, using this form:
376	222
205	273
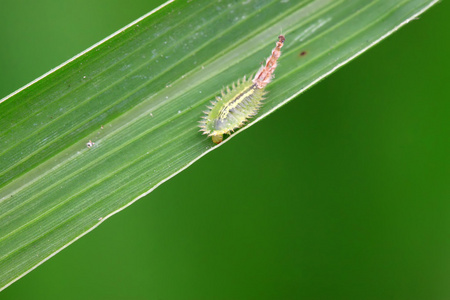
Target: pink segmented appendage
264	75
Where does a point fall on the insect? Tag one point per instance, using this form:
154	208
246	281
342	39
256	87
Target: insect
232	109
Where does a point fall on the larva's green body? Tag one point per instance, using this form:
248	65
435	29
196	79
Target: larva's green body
232	110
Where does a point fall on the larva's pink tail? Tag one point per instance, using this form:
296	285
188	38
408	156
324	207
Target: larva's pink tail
265	74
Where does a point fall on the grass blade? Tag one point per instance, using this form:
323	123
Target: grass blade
138	96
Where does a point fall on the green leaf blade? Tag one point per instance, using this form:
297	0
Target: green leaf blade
139	95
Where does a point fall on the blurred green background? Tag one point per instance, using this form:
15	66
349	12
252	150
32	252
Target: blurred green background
344	193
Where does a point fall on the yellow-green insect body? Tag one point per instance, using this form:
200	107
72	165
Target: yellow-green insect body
242	101
232	109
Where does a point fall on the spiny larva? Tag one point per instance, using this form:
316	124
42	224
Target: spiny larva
233	108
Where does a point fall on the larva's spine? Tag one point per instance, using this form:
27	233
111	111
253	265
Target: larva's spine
236	105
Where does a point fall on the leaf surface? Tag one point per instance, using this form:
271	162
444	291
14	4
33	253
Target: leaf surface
138	96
